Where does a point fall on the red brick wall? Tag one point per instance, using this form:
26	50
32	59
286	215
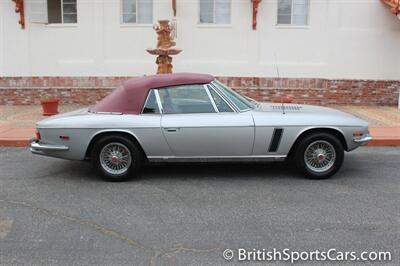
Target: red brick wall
88	90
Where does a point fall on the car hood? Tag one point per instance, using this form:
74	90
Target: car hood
301	113
299	108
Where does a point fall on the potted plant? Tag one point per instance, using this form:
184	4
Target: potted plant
50	105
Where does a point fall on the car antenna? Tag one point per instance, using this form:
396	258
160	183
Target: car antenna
279	77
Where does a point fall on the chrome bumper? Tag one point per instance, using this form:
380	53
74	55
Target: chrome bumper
38	148
363	139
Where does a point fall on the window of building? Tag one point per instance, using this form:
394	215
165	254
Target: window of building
188	99
215	11
61	11
137	11
293	12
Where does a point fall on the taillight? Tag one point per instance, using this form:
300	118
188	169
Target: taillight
37	134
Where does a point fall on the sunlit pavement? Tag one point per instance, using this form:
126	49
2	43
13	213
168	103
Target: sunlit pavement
58	212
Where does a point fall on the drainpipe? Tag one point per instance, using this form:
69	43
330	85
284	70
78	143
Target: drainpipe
398	100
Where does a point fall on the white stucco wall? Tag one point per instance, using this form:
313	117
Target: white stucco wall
1	41
357	39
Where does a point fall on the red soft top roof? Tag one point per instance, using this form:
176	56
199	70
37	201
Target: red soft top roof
130	97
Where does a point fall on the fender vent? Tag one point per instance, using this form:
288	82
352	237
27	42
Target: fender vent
287	107
276	140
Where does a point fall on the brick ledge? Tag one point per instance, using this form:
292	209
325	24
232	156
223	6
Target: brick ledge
89	90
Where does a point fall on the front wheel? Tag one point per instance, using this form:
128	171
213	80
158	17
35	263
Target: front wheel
116	158
319	155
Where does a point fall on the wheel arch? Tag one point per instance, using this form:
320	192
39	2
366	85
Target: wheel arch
307	131
98	135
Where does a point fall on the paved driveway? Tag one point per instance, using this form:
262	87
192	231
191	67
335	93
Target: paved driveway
58	212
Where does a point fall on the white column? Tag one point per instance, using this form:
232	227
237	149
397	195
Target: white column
98	17
2	37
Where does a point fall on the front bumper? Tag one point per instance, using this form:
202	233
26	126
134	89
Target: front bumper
40	148
363	139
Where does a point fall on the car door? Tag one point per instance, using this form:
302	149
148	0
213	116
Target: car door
193	125
147	128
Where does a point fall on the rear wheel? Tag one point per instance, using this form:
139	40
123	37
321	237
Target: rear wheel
117	158
319	155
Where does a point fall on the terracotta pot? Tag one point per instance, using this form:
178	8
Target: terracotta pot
50	107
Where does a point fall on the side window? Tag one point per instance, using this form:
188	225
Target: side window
222	106
62	11
137	11
236	98
215	11
293	12
151	106
187	99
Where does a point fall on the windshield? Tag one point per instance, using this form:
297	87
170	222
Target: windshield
241	102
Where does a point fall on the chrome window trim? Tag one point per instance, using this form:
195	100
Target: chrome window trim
234	110
207	92
227	98
145	102
158	101
211	98
109	113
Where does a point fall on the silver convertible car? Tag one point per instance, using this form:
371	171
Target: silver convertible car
194	117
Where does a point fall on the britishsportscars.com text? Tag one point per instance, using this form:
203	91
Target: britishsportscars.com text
293	256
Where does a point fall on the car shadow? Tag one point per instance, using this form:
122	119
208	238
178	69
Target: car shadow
354	165
220	170
200	171
183	171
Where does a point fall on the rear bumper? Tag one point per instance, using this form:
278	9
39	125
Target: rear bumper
39	148
364	139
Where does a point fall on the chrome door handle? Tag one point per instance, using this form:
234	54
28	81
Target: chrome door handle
171	129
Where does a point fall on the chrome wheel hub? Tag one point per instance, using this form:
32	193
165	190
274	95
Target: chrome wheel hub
320	156
115	158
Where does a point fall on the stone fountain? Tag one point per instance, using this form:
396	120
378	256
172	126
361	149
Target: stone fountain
165	46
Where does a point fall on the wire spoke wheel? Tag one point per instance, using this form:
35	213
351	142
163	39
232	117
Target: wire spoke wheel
320	156
115	158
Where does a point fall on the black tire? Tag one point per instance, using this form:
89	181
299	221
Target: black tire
135	153
309	141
